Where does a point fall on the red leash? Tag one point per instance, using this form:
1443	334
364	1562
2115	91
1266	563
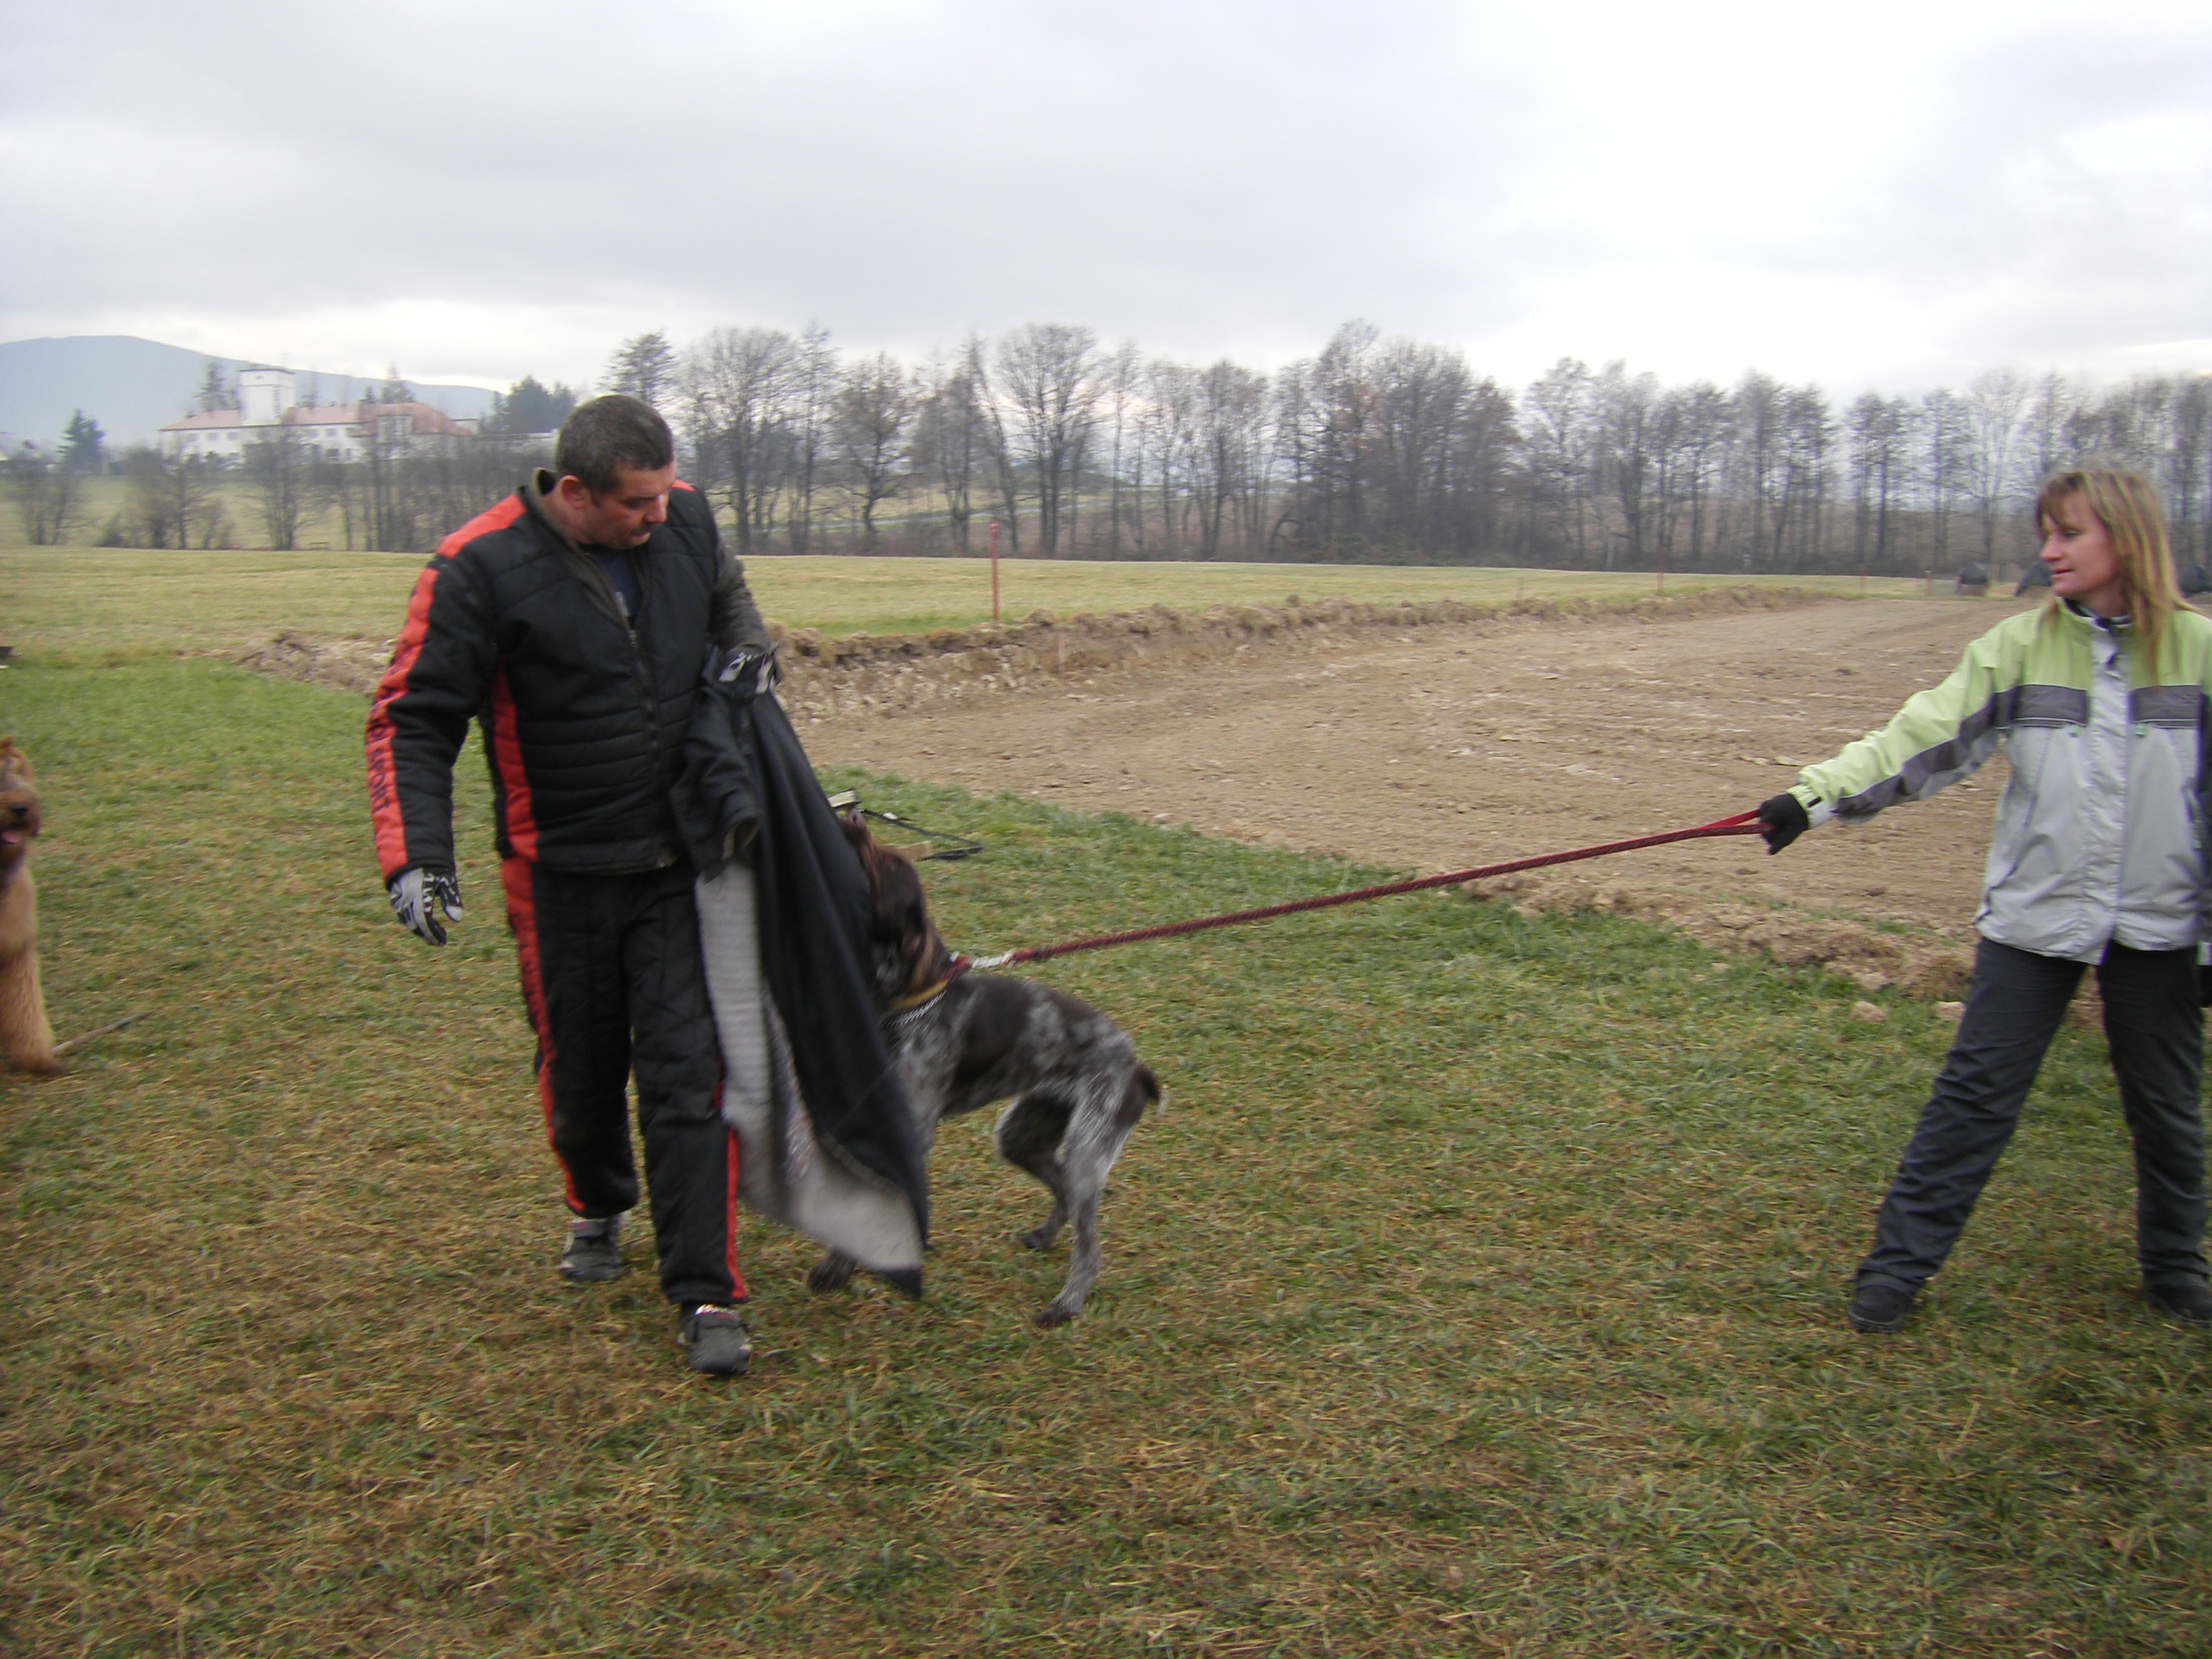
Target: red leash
1743	824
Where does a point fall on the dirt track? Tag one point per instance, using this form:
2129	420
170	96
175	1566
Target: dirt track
1454	747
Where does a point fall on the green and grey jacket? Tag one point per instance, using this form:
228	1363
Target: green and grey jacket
2100	834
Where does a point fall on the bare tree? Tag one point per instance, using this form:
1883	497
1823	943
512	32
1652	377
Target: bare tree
1881	432
1166	433
2047	426
173	502
874	415
998	440
2188	468
806	431
1120	379
738	384
1049	371
1229	450
1557	423
276	468
1995	403
1946	435
1625	415
49	498
949	444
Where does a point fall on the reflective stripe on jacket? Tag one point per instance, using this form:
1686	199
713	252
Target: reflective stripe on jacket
2100	835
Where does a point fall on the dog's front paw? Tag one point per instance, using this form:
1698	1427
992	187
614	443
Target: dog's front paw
1051	1314
1037	1238
833	1273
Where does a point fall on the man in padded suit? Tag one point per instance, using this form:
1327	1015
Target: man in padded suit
572	621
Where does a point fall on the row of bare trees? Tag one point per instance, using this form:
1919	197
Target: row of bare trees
393	498
1379	448
1371	449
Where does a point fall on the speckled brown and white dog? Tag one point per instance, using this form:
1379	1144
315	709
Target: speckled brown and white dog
25	1036
963	1040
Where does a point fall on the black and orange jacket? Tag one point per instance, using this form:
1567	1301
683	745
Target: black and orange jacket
584	711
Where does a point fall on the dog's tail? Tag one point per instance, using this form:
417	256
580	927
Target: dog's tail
1146	1091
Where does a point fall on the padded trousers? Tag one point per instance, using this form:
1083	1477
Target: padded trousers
2154	1027
613	981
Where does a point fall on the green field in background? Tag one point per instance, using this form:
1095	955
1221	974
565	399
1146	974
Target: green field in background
104	598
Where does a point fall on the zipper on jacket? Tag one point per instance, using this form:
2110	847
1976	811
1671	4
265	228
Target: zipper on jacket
596	579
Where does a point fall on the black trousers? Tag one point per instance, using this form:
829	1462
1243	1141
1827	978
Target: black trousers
612	979
2154	1027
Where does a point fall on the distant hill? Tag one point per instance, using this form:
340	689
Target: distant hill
135	387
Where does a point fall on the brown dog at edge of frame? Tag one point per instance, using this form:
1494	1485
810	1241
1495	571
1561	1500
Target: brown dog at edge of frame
25	1036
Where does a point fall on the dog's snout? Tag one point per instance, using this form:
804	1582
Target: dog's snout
19	810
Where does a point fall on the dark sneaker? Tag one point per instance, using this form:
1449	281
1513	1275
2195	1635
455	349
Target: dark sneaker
716	1340
592	1255
2189	1300
1878	1306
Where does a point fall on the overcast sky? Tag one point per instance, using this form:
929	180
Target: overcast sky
1890	193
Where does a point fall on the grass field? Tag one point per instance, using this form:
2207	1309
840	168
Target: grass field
101	598
1479	1291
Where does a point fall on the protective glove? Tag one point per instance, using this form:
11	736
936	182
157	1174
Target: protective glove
419	894
1782	818
759	663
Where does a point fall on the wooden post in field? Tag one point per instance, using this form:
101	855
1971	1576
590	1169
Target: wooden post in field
995	571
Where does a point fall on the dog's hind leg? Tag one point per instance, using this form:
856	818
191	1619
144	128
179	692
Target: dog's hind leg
833	1273
1040	1237
1094	1136
1029	1134
1081	1204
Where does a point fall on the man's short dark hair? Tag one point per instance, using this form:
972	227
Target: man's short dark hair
605	436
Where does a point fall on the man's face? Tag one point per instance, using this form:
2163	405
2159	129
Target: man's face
625	515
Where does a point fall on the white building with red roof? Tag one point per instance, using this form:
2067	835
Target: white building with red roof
324	432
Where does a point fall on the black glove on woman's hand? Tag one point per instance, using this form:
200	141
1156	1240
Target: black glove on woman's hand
1782	820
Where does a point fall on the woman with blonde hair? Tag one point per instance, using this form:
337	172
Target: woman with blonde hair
2100	697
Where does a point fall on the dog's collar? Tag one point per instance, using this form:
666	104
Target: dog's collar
914	1001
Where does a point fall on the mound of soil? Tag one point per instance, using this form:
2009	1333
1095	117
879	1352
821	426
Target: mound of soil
1441	736
349	665
863	673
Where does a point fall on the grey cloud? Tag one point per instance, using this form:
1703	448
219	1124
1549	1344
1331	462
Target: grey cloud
1210	175
1207	179
1991	218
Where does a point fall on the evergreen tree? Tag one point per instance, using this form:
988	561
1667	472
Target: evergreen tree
81	441
644	367
528	406
216	391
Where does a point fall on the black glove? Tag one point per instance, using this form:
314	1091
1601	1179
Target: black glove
758	663
419	894
1782	819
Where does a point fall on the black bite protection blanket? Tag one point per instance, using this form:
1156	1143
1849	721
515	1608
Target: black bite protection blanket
745	776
